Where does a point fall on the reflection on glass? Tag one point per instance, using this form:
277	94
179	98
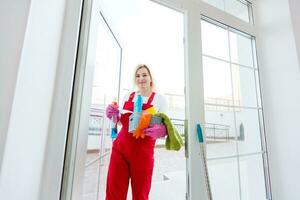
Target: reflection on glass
248	136
223	176
241	49
107	64
217	82
220	132
252	178
244	86
214	41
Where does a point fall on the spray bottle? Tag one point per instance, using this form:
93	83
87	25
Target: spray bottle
134	118
138	104
114	123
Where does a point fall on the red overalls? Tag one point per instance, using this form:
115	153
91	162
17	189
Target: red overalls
130	158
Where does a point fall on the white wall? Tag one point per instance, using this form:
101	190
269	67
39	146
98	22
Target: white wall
280	82
36	62
295	6
13	18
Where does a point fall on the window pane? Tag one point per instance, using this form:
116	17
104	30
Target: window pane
220	131
217	82
233	7
107	69
248	135
223	176
233	124
244	86
241	49
252	178
238	9
214	41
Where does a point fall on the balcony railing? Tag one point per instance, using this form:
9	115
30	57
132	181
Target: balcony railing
214	132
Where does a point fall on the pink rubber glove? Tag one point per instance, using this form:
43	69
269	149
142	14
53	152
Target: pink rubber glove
112	112
156	131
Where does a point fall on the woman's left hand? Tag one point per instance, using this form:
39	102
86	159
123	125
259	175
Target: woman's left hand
156	131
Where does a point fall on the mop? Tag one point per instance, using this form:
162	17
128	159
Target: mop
203	154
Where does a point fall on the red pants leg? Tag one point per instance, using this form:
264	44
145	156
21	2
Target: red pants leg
117	177
142	169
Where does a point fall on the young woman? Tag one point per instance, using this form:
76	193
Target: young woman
133	158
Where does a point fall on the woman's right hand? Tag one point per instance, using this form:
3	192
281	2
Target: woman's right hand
112	111
156	131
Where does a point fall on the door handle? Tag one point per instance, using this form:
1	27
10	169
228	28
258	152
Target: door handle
199	133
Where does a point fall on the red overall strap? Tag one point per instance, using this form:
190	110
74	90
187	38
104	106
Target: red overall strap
128	105
131	97
150	98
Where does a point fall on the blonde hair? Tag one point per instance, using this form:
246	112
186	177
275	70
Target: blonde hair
140	66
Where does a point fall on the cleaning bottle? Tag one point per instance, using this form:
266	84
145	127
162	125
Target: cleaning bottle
134	118
138	104
114	123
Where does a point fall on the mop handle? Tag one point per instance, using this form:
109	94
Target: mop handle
201	140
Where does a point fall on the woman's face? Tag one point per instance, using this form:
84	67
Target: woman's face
142	78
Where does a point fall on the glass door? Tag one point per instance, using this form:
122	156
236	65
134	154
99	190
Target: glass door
159	42
97	84
105	90
233	113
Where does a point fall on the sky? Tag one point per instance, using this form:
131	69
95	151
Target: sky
153	34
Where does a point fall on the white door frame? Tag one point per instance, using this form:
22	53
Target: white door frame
73	169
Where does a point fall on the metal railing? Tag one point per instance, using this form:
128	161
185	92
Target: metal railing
217	132
213	132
